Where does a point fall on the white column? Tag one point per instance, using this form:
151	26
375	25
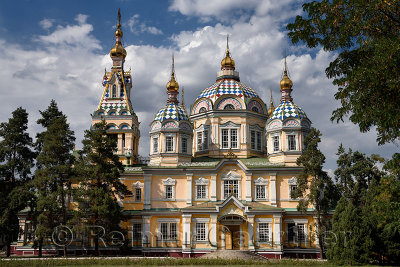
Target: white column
250	225
189	179
146	231
120	149
213	231
277	231
147	191
272	193
248	187
186	238
213	187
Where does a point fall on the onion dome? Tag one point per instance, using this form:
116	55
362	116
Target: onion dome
287	109
228	87
173	85
286	85
171	111
118	50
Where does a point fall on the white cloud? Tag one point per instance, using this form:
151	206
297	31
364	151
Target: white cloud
46	23
137	27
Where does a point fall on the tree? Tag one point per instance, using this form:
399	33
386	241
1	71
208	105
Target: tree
16	161
53	178
356	238
99	170
366	36
314	186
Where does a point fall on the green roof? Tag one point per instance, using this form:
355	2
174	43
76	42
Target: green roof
252	206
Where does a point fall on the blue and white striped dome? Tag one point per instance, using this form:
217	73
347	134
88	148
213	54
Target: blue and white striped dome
171	112
287	109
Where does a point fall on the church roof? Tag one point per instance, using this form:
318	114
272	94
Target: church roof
228	87
287	109
171	111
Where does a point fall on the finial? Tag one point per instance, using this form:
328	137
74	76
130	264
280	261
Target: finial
285	70
105	71
286	83
172	85
227	43
119	16
272	100
173	66
227	62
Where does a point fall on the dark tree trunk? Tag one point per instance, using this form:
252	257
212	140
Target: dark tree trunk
40	248
8	246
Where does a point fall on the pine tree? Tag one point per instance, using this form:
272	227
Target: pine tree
314	186
16	161
53	178
99	170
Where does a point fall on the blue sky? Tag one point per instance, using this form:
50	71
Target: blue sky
59	49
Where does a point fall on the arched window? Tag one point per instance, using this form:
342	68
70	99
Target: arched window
114	91
202	110
229	107
255	109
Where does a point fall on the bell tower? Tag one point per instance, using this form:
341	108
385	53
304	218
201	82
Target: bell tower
115	106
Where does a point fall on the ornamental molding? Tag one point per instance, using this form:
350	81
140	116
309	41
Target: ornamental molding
201	181
231	175
169	181
292	181
261	181
291	123
138	185
229	124
275	125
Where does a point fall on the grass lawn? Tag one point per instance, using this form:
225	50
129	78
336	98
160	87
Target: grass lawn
155	262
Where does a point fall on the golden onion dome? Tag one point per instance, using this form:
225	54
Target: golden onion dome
270	110
228	62
286	82
118	51
172	85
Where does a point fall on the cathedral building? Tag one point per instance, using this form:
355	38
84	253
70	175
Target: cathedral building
220	174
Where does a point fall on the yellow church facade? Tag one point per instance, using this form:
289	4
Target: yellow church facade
220	173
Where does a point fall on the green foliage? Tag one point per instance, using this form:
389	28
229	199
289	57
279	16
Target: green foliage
99	169
365	34
53	176
314	186
16	161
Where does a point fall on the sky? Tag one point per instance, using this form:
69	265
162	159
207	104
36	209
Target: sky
59	49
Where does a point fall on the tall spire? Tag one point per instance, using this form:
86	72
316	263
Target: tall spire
271	105
172	85
183	93
286	84
118	52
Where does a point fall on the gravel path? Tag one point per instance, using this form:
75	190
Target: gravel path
233	254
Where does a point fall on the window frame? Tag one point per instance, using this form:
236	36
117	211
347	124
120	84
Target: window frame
291	144
155	146
169	148
232	133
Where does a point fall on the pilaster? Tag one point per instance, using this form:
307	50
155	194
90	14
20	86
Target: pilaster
147	192
213	187
248	187
250	225
186	238
272	193
189	183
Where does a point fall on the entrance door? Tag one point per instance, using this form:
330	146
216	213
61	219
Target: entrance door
228	238
235	230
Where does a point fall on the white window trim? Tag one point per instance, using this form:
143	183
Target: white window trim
171	182
269	223
292	181
137	185
231	176
229	126
256	129
206	230
152	144
296	139
201	181
203	129
260	181
279	143
188	150
296	222
169	221
173	142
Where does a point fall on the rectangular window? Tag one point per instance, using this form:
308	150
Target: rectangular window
225	138
199	141
258	141
169	194
234	138
205	141
155	144
201	192
137	232
253	139
138	194
201	232
169	144
276	143
230	185
292	188
184	145
291	142
168	231
260	192
263	232
301	234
